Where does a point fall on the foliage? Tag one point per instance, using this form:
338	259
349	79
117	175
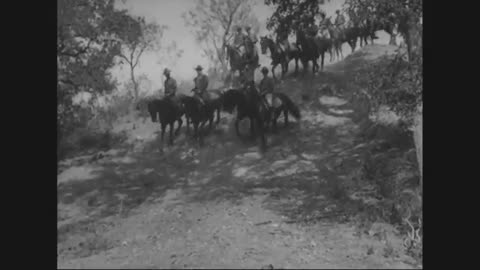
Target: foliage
89	37
289	13
396	83
140	37
212	22
404	15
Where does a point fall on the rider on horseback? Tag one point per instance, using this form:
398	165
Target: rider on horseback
201	84
170	88
339	20
239	40
282	40
322	25
250	41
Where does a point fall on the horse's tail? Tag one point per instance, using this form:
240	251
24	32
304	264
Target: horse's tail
291	107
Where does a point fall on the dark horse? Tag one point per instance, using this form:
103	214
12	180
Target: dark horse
238	62
248	103
198	114
168	113
279	56
282	104
309	50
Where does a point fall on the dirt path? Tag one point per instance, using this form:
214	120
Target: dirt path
227	206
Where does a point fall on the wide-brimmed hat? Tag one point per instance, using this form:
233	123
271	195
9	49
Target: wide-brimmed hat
166	70
264	70
199	67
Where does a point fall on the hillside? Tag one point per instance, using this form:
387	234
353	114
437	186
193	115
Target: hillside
313	200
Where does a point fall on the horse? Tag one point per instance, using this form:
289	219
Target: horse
340	36
309	50
237	61
281	103
168	113
248	103
198	114
367	30
278	55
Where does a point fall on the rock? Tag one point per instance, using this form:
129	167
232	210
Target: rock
332	101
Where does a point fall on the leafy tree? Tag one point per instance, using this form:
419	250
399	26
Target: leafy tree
212	22
139	37
404	15
89	37
289	13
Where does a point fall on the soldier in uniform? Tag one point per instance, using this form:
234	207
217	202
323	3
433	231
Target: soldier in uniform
239	40
170	87
266	87
322	25
201	84
339	20
250	41
282	40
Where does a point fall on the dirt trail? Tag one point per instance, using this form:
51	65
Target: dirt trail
226	205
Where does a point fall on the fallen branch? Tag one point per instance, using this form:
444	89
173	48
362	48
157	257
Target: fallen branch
333	214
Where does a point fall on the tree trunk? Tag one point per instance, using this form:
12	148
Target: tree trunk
135	86
418	138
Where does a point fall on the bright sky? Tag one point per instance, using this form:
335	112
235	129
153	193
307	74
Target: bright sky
168	12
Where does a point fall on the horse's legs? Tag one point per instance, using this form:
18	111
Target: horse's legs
180	122
323	57
210	124
263	144
218	115
237	122
252	130
195	130
276	113
296	66
188	124
171	126
200	132
352	44
163	127
285	116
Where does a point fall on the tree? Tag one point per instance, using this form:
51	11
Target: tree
212	22
288	14
89	37
405	15
139	37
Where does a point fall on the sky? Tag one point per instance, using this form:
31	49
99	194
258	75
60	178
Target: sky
169	12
